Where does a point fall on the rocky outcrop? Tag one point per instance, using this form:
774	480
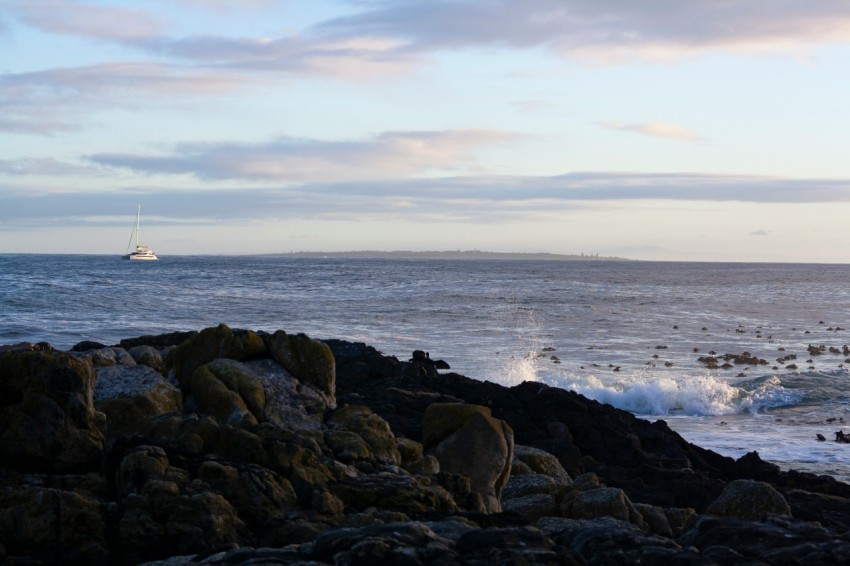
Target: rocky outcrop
48	422
467	440
233	447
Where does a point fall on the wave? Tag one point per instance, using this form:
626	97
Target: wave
703	395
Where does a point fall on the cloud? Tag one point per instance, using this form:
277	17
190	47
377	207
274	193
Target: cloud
655	129
604	30
57	100
294	160
760	233
69	17
478	198
43	166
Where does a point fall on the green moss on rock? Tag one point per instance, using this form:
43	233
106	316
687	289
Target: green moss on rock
213	343
310	361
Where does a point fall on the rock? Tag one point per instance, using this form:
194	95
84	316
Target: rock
309	360
48	421
148	356
105	357
748	499
211	344
228	390
289	403
132	397
394	492
466	440
606	540
53	526
602	502
776	540
86	345
393	543
533	506
230	458
510	545
260	497
542	462
374	432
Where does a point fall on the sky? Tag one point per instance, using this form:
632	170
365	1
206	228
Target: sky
706	130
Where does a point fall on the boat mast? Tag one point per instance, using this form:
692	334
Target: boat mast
138	229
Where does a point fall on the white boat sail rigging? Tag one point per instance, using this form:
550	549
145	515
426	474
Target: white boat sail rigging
142	253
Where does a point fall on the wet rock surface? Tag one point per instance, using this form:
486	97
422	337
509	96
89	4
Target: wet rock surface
227	446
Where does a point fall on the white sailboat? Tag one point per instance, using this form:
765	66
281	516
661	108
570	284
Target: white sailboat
142	253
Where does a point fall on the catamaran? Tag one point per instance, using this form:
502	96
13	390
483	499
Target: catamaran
142	252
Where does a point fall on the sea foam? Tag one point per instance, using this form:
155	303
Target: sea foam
661	395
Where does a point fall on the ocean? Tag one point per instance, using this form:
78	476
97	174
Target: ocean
628	333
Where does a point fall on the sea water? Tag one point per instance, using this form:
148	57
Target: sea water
626	333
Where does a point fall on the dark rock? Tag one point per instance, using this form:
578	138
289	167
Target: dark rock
235	459
48	421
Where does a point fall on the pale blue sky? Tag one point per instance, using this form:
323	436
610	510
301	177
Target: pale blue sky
660	129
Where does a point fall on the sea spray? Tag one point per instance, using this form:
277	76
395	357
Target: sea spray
664	395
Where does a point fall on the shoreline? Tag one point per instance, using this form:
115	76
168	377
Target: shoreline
258	444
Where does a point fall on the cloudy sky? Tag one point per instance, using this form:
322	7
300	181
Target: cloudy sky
661	129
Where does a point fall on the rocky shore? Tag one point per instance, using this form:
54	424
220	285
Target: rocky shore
229	446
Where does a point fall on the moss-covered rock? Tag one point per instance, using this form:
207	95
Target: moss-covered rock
227	390
374	431
309	360
216	399
48	420
239	378
211	344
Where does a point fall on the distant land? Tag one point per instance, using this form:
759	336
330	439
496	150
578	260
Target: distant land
456	254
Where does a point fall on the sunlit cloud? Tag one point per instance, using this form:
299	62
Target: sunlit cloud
387	155
655	129
606	30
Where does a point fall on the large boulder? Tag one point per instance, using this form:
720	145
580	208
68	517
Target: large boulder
48	420
749	499
132	397
467	440
309	360
211	344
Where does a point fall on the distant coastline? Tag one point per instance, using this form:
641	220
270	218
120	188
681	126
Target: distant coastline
455	254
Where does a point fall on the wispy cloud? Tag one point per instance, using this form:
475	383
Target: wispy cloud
605	29
655	129
57	100
480	198
88	19
44	167
292	160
